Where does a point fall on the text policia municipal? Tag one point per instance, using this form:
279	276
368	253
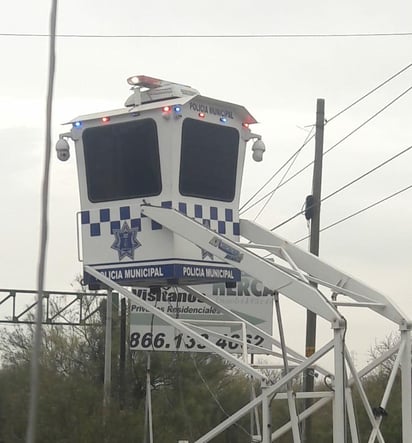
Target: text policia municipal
158	271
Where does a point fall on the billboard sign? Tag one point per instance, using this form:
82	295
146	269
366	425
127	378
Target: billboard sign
250	300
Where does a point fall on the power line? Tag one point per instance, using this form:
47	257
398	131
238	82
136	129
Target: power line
329	120
368	173
335	145
309	137
359	212
370	92
287	220
369	119
274	175
214	396
348	184
206	36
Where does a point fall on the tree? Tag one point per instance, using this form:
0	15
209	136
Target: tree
191	392
380	348
374	385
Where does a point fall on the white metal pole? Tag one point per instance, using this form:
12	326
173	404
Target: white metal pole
351	416
388	389
392	376
251	418
146	420
256	414
306	413
356	380
266	419
108	350
244	347
149	399
270	390
297	357
291	401
292	355
339	400
406	386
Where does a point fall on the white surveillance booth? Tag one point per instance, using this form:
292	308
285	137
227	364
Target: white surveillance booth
159	188
168	147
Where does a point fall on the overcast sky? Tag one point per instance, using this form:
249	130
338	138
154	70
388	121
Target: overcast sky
277	79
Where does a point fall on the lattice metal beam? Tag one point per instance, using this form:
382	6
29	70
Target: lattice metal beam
18	306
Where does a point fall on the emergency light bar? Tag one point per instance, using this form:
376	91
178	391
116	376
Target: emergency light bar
155	90
146	81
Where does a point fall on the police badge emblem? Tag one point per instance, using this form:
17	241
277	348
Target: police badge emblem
125	242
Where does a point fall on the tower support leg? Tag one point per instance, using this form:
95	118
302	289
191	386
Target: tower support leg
266	416
406	386
339	412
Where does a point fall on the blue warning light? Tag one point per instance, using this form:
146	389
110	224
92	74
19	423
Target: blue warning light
77	124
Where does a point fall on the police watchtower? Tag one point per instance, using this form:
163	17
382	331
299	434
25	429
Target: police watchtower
169	147
159	188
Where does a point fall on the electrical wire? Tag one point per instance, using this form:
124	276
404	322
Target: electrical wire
359	212
369	119
286	173
206	36
36	353
380	85
242	208
370	92
384	163
288	220
214	396
384	108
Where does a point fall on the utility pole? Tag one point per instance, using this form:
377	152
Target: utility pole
313	213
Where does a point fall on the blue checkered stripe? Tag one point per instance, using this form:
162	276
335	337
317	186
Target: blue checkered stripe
107	220
221	220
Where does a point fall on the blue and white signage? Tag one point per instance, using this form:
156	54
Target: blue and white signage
186	272
132	249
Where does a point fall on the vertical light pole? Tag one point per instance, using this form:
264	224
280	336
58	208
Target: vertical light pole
148	419
108	350
314	249
122	354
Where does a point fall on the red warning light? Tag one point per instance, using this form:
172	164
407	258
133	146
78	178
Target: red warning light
105	119
245	125
201	114
166	109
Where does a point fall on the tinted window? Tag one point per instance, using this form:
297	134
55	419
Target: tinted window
122	161
208	160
